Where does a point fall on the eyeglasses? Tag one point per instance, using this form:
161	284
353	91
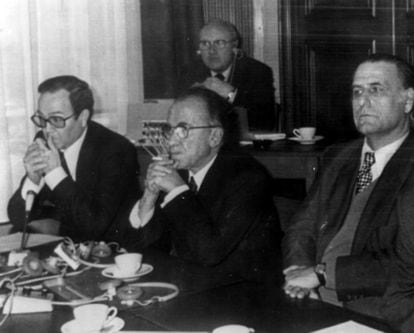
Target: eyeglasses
218	44
55	121
181	130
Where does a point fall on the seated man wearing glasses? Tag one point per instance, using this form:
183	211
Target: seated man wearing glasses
212	205
223	68
83	174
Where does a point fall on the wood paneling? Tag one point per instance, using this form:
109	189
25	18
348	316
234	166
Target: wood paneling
323	41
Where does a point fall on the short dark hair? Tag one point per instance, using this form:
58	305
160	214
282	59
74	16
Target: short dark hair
405	70
80	94
231	28
219	110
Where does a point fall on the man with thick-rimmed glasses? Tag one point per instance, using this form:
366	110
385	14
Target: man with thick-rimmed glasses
224	68
83	174
213	205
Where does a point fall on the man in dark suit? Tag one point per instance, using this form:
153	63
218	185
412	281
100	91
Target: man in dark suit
83	174
215	205
342	240
223	68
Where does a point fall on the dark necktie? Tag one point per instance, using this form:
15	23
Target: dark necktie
219	76
63	163
192	185
365	174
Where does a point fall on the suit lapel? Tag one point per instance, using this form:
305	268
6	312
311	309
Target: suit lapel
87	156
387	188
340	195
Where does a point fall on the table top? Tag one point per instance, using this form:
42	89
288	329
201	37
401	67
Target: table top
206	300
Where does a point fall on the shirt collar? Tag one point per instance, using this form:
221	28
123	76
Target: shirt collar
72	154
382	155
201	174
225	73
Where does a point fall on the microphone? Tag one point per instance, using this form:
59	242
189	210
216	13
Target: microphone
30	196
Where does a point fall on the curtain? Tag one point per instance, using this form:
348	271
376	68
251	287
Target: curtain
44	38
169	42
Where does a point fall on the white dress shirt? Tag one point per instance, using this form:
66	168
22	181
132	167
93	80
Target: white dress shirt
136	222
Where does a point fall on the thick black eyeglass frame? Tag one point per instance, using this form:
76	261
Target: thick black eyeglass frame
55	121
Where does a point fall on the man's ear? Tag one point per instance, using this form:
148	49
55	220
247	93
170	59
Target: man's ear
84	117
216	137
409	102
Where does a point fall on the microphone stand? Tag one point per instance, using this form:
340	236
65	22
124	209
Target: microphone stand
28	207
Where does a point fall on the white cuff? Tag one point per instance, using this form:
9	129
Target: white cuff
173	193
54	177
134	219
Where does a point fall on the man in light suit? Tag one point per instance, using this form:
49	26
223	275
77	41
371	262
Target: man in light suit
83	174
223	68
213	205
342	241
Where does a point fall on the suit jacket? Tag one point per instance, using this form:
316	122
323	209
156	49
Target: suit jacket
366	271
255	91
230	224
92	206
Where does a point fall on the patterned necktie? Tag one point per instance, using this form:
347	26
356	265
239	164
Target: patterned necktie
219	76
192	185
365	174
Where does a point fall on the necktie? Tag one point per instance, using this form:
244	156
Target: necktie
63	163
192	185
219	76
365	174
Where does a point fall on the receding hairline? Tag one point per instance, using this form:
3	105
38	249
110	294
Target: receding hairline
204	110
223	26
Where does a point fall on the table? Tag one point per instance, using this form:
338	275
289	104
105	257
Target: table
284	159
206	301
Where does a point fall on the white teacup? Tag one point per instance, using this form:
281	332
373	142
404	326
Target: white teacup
93	317
128	264
233	329
305	133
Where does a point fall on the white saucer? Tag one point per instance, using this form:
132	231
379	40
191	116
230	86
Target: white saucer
114	326
307	142
113	273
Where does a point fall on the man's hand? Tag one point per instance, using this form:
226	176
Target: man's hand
52	154
162	176
300	281
220	87
35	161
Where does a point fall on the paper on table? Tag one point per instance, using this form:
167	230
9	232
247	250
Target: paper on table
163	332
267	136
12	242
348	326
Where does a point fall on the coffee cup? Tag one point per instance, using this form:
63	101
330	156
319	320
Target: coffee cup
233	329
93	317
305	133
128	264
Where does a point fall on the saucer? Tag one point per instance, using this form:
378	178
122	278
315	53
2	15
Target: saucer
307	142
114	326
113	273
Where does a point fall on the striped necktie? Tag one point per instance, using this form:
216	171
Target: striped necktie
365	174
